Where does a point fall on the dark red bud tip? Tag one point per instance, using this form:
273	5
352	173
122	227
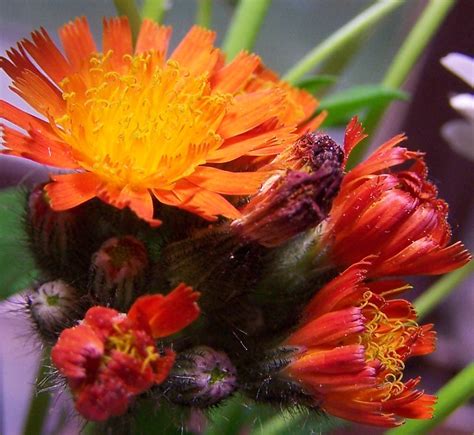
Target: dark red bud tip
311	151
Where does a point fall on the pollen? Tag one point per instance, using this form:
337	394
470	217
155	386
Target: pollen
146	125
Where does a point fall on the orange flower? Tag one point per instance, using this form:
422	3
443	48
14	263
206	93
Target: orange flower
135	126
111	357
392	213
353	344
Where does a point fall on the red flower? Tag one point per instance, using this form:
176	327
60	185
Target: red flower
111	357
393	213
354	341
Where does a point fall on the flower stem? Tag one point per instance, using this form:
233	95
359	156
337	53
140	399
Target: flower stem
341	37
278	423
39	403
129	9
441	289
456	392
204	13
245	25
154	9
407	56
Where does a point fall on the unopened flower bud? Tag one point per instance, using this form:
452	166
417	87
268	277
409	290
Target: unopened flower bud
53	236
311	151
201	377
118	271
53	306
262	381
293	204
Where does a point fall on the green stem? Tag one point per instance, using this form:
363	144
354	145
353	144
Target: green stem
278	423
406	58
441	289
454	394
204	13
129	9
341	37
39	403
245	25
154	9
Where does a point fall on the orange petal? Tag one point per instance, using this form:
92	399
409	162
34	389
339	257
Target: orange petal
271	134
117	37
38	147
152	36
228	183
40	94
45	53
78	42
25	120
196	51
141	202
166	315
353	135
70	190
251	110
236	74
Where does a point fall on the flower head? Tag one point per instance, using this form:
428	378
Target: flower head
395	212
135	124
352	346
110	357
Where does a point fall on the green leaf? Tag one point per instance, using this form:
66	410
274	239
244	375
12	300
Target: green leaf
16	262
315	83
345	104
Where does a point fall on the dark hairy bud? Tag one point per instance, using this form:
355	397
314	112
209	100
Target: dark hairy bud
201	377
293	204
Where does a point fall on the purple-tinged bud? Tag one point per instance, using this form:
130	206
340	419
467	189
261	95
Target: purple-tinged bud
293	204
311	151
201	377
53	306
118	271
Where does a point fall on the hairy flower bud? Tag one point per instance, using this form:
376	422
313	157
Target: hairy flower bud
54	236
53	306
311	151
261	380
293	204
201	377
118	271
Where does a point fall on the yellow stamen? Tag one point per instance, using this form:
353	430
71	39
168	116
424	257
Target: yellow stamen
145	126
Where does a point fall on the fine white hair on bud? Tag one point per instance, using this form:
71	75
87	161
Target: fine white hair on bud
53	306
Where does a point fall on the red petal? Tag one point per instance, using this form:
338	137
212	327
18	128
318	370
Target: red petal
166	315
78	352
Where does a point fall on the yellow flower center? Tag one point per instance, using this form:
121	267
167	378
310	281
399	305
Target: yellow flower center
125	342
382	339
140	123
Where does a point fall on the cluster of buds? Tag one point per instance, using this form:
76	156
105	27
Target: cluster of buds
313	325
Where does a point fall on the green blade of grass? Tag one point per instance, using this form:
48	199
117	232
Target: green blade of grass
341	37
245	25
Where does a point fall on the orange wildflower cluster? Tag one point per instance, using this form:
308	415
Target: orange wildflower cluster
110	357
354	340
136	124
